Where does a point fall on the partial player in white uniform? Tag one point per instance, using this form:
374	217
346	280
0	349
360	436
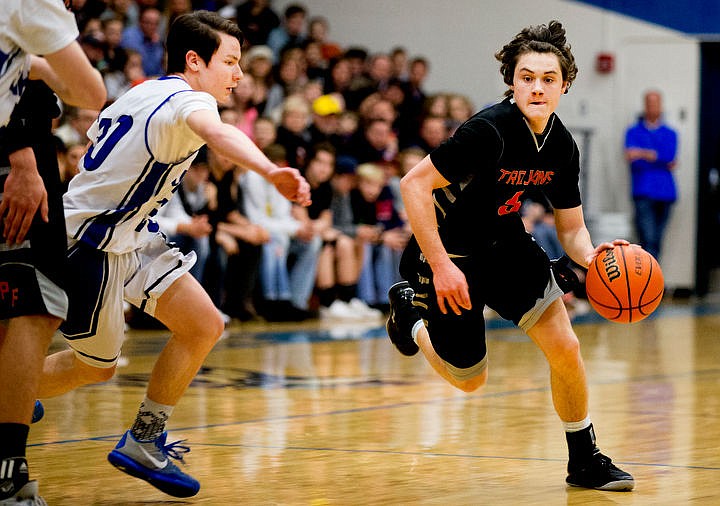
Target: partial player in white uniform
141	147
33	244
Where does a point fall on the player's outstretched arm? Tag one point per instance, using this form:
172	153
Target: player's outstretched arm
69	73
233	144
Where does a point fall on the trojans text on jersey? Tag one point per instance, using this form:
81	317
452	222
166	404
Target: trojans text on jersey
525	177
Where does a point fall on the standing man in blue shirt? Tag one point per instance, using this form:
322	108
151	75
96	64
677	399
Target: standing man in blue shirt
651	149
146	38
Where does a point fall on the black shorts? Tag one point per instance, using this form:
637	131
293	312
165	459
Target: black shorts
509	276
32	274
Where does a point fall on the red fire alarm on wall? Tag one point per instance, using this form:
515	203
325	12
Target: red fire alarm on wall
605	63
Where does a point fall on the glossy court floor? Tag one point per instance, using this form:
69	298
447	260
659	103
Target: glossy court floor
330	414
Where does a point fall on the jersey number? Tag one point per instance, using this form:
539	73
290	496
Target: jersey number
124	123
512	205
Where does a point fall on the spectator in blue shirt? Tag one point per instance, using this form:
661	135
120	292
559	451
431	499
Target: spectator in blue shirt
145	38
291	33
651	148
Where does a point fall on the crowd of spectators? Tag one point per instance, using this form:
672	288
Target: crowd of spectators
353	121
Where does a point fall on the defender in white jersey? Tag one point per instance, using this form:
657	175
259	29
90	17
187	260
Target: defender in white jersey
33	244
141	147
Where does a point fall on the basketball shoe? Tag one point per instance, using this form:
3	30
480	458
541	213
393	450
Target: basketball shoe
402	319
600	473
589	468
15	487
150	461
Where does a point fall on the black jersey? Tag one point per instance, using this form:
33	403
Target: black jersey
493	162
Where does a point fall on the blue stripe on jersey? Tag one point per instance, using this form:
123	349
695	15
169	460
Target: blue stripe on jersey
98	230
147	123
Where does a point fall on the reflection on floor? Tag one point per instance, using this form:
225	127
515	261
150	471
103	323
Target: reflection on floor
327	413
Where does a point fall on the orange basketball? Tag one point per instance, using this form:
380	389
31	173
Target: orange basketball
624	284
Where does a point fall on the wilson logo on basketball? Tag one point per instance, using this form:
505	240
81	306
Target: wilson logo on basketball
624	284
612	269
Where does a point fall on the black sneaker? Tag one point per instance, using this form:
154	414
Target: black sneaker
15	487
403	316
601	474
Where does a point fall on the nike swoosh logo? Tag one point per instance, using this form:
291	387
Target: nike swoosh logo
161	464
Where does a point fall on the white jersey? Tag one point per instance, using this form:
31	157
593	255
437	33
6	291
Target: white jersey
141	149
28	27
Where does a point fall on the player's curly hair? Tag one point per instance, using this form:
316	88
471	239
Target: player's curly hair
548	38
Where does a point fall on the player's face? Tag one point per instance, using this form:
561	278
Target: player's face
537	87
223	71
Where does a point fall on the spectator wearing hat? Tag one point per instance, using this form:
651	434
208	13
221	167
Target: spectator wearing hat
326	111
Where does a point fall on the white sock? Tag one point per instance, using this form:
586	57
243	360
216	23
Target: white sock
416	328
577	426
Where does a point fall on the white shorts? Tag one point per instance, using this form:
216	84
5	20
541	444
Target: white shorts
99	282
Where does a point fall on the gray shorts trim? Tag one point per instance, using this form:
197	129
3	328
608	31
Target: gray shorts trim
462	374
55	298
552	292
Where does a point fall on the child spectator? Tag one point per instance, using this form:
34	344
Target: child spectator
293	132
339	262
383	239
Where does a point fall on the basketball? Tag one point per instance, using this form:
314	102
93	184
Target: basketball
624	284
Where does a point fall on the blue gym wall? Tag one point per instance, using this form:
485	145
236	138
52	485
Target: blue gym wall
693	17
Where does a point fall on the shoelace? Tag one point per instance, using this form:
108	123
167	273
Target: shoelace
176	450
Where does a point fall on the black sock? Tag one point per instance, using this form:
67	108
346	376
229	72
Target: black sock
13	439
13	466
581	445
347	292
326	296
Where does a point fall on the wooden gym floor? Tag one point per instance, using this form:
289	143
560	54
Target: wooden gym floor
330	414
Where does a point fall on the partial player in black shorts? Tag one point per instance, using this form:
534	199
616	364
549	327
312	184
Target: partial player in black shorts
32	273
470	247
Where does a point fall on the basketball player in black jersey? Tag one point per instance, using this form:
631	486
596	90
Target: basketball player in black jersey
470	247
